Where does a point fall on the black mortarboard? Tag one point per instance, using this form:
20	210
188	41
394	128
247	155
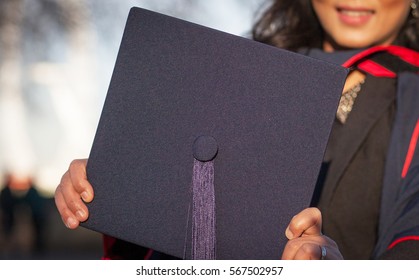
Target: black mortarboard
192	106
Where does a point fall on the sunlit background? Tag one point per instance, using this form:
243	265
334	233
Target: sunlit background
56	61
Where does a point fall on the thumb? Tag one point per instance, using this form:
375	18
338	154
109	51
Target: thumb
307	222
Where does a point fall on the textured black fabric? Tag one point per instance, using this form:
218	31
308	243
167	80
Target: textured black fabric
356	154
400	206
129	251
393	63
406	250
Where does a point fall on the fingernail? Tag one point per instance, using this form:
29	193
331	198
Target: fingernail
71	223
85	196
288	233
80	214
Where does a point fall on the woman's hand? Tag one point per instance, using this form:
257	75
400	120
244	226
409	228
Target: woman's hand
306	241
72	193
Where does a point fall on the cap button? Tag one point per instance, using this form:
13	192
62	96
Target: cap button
205	148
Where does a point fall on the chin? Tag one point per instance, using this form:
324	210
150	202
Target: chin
348	44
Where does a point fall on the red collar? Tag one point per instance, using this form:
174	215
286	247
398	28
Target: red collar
363	63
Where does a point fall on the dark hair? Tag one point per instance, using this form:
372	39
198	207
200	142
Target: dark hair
293	24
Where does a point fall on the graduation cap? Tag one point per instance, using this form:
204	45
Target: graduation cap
208	143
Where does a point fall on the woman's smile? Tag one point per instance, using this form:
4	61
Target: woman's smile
354	15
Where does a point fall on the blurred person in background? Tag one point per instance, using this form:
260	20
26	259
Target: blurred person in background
19	198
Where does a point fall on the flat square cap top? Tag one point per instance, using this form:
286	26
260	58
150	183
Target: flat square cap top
180	92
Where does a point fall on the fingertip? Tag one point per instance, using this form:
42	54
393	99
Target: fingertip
288	233
71	223
307	222
315	212
81	215
86	196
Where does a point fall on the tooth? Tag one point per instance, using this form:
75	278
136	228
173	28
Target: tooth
355	13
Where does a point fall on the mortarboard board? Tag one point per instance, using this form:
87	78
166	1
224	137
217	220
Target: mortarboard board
184	97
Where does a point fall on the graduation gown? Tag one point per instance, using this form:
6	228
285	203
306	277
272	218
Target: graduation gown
368	190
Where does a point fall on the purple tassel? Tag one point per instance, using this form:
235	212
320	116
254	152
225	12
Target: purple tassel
203	211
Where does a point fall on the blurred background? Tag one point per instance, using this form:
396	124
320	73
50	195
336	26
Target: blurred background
56	61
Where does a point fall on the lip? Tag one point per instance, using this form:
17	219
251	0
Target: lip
354	16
